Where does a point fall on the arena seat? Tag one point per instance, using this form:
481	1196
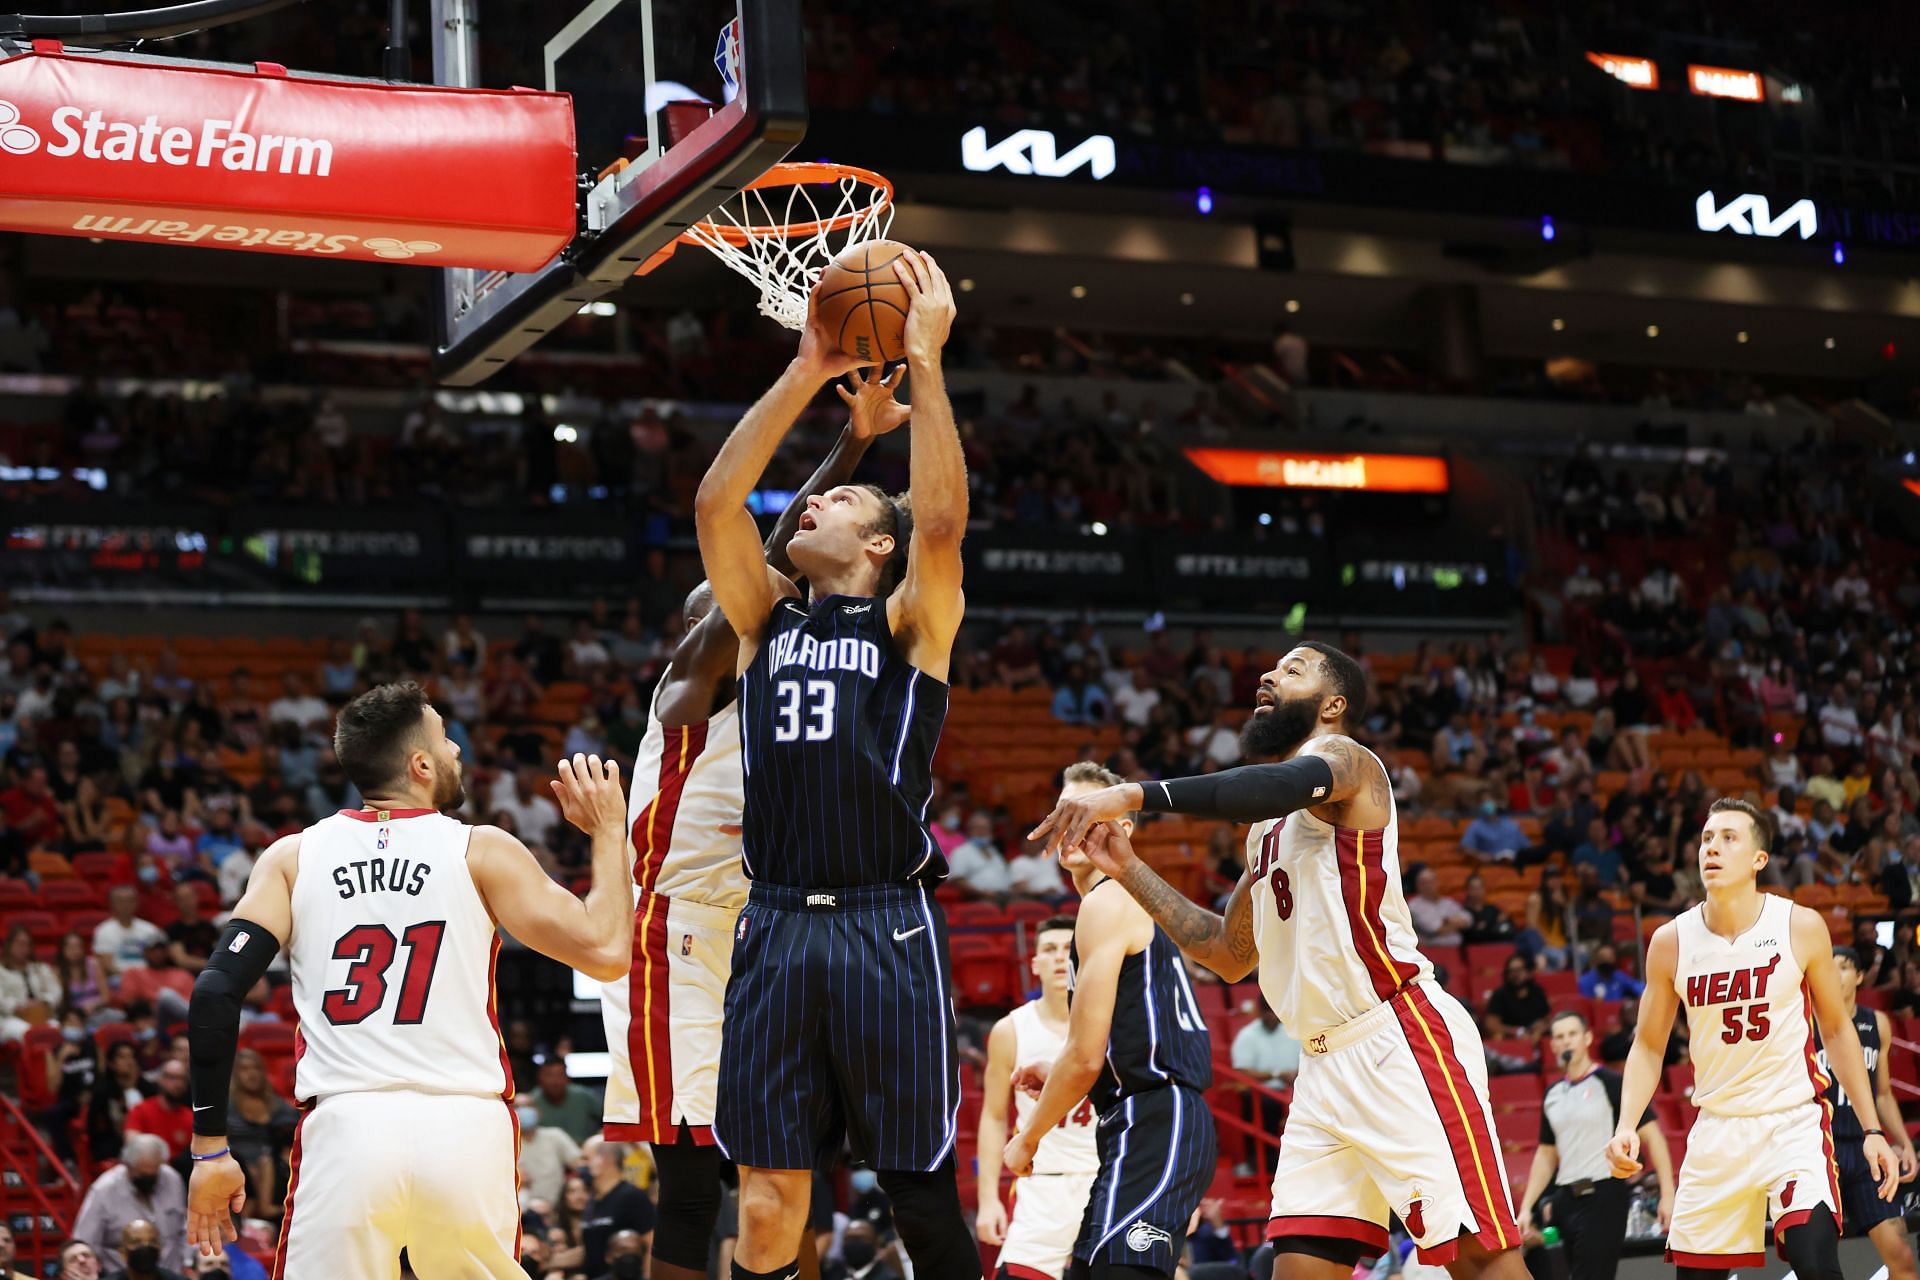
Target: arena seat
1558	984
104	869
17	895
1509	1092
70	895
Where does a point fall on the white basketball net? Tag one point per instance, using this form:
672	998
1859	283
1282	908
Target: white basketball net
783	266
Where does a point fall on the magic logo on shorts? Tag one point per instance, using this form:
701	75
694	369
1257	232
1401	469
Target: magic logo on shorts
1143	1235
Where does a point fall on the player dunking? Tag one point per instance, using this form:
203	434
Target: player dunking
839	1017
1755	973
1051	1199
1137	1046
663	1019
389	914
1390	1111
1864	1212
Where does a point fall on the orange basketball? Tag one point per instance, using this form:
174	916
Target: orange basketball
862	304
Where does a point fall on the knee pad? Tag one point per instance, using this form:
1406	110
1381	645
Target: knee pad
1812	1249
931	1224
689	1202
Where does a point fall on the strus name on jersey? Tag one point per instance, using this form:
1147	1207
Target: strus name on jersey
381	875
797	648
1730	986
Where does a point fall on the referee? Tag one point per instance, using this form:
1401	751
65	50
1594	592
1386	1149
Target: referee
1587	1203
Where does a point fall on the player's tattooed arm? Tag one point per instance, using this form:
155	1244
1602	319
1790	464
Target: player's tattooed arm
1358	778
1223	943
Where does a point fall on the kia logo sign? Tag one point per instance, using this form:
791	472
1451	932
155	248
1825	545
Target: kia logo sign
1751	215
1033	152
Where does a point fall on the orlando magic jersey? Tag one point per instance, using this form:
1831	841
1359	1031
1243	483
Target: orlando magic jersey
837	734
1157	1038
1846	1125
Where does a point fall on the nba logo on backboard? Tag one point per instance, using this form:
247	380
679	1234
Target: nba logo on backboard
726	60
380	842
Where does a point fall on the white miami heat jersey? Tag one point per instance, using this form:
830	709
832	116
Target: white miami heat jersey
392	959
1072	1146
684	812
1330	920
1749	1015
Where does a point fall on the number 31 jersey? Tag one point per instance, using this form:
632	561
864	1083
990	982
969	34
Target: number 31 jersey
1749	1020
392	958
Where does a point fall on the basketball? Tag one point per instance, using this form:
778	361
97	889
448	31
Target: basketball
862	303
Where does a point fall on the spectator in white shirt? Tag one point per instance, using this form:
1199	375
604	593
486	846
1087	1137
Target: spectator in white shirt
1581	690
1851	587
1886	740
296	705
977	865
585	654
122	938
1662	587
1542	683
1219	741
1783	768
1581	584
1135	702
1839	723
1438	920
1264	1050
1036	875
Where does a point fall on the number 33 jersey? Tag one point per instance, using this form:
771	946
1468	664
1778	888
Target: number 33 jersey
392	958
1749	1019
837	734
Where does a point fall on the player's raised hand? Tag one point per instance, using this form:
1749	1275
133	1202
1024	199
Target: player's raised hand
1623	1154
1108	848
931	311
990	1224
1066	827
820	355
1881	1163
870	398
590	795
216	1192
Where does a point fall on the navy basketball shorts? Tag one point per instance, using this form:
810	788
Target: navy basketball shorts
839	1021
1157	1154
1861	1208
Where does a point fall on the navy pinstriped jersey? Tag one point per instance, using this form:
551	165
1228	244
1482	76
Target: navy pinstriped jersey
837	733
1846	1125
1157	1037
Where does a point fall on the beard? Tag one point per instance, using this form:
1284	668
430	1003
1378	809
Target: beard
449	790
1279	731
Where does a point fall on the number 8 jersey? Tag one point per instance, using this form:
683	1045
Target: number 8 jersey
837	734
1749	1020
392	957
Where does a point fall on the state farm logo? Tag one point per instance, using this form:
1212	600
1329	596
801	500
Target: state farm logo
15	138
209	144
387	247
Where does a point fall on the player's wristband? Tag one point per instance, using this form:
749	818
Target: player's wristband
215	1155
1873	1133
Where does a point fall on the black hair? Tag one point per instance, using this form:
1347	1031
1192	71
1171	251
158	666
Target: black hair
371	737
1051	923
1851	956
1346	676
896	520
1762	823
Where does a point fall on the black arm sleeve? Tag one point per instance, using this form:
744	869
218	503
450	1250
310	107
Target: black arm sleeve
213	1018
1251	793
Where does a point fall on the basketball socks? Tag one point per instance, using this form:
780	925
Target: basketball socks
931	1224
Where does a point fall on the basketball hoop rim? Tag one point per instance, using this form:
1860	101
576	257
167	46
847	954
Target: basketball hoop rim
795	175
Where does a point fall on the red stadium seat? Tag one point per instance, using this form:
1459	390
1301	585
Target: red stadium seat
34	1048
17	895
108	1034
104	869
1558	984
976	915
267	1038
1509	1092
983	973
70	895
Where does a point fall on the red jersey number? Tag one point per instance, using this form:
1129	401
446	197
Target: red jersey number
1081	1115
372	948
1756	1022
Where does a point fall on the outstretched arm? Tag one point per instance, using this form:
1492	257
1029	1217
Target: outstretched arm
744	584
924	613
1223	943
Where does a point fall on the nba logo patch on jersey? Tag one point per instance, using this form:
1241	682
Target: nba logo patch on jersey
740	930
686	943
380	841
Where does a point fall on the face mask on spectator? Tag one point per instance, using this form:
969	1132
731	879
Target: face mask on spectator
1489	808
529	1118
864	1180
73	1035
857	1253
149	875
145	1258
625	1267
144	1184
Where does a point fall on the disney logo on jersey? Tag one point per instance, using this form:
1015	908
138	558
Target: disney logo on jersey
797	648
1143	1235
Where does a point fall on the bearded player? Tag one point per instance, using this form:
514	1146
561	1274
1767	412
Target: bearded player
1756	974
1390	1113
1051	1199
663	1018
390	914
